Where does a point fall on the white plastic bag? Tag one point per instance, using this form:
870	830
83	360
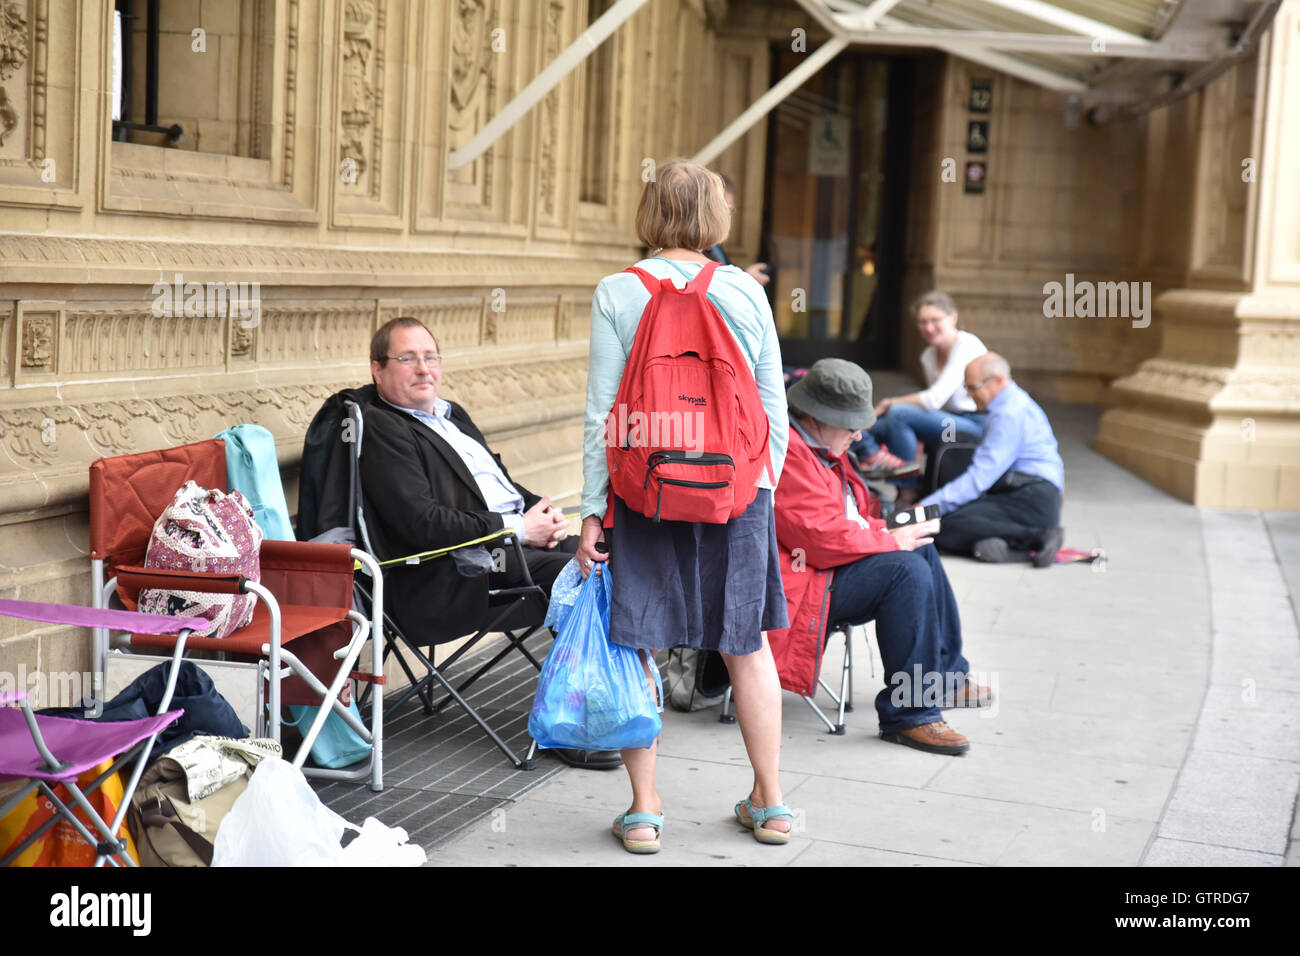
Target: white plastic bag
279	821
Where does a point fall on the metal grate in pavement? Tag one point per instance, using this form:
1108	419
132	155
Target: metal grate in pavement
441	772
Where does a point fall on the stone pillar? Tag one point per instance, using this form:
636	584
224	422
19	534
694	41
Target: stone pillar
1214	418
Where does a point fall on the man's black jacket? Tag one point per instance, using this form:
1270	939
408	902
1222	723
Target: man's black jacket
419	496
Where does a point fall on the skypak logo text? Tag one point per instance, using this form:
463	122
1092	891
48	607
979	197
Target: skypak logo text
1086	300
210	300
76	909
624	429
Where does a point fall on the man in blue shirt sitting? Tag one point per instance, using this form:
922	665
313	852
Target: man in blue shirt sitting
1007	505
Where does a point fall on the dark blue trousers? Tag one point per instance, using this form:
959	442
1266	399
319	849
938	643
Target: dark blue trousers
917	627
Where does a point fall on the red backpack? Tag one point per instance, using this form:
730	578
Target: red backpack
687	437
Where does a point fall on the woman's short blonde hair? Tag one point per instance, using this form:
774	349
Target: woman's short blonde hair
684	207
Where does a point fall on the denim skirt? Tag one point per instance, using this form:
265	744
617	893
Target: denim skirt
715	587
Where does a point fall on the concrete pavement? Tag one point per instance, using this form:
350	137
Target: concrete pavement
1148	713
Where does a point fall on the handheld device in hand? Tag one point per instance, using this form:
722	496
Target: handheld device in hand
906	516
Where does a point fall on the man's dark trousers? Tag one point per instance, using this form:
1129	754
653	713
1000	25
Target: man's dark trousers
544	565
918	628
1021	515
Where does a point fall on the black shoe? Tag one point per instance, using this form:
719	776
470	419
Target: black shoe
1047	550
590	759
997	551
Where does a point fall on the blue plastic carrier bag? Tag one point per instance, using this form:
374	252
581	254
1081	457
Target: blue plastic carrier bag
592	694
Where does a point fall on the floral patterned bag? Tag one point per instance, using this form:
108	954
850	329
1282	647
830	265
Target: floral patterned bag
205	530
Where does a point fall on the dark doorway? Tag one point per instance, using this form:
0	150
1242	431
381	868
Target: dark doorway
834	213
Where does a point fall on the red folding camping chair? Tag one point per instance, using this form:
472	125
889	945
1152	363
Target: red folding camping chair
304	597
56	750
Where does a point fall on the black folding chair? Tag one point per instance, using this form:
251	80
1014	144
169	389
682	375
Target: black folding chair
945	461
515	612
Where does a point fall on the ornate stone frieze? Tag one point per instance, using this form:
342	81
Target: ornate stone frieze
310	331
31	434
523	320
1178	382
38	342
20	256
469	51
51	445
358	94
120	339
290	89
486	391
550	113
455	321
14	52
472	94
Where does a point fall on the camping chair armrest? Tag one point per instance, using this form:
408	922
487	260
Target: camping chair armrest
511	538
306	556
132	579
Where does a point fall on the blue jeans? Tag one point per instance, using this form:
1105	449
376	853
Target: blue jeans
917	627
905	425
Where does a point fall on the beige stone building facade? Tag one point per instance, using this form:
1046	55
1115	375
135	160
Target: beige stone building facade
291	161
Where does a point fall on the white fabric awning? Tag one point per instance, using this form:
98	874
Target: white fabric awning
1104	51
1106	55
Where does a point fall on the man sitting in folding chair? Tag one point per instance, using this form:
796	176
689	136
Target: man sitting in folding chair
894	578
430	481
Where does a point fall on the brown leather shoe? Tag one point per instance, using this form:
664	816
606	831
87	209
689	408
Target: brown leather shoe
935	738
969	694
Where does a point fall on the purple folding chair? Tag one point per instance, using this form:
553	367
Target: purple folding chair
56	750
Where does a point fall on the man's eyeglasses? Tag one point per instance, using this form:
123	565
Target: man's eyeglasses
411	360
975	388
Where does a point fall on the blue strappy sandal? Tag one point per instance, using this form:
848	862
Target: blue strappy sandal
630	821
757	816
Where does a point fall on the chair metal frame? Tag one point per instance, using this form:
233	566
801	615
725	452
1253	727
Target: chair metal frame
843	700
277	663
503	602
110	850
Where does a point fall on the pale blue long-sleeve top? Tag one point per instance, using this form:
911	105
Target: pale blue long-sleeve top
616	311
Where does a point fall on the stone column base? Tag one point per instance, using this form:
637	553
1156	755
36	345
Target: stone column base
1215	418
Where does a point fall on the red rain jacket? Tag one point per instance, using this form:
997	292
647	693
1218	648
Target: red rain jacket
815	537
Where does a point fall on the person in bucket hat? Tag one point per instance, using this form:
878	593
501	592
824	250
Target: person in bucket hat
840	565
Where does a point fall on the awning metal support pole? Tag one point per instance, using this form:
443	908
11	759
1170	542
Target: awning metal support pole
544	82
768	101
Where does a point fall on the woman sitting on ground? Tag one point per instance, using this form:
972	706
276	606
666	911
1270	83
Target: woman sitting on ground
943	411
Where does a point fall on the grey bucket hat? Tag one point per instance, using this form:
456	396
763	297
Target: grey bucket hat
835	392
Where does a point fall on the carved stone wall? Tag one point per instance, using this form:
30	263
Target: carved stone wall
152	295
1215	416
1058	202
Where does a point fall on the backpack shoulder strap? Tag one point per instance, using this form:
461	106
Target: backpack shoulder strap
651	284
704	277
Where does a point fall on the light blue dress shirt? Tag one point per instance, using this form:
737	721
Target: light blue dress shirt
498	493
616	310
1017	437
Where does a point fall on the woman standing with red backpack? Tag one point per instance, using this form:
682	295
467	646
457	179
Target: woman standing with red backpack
711	584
